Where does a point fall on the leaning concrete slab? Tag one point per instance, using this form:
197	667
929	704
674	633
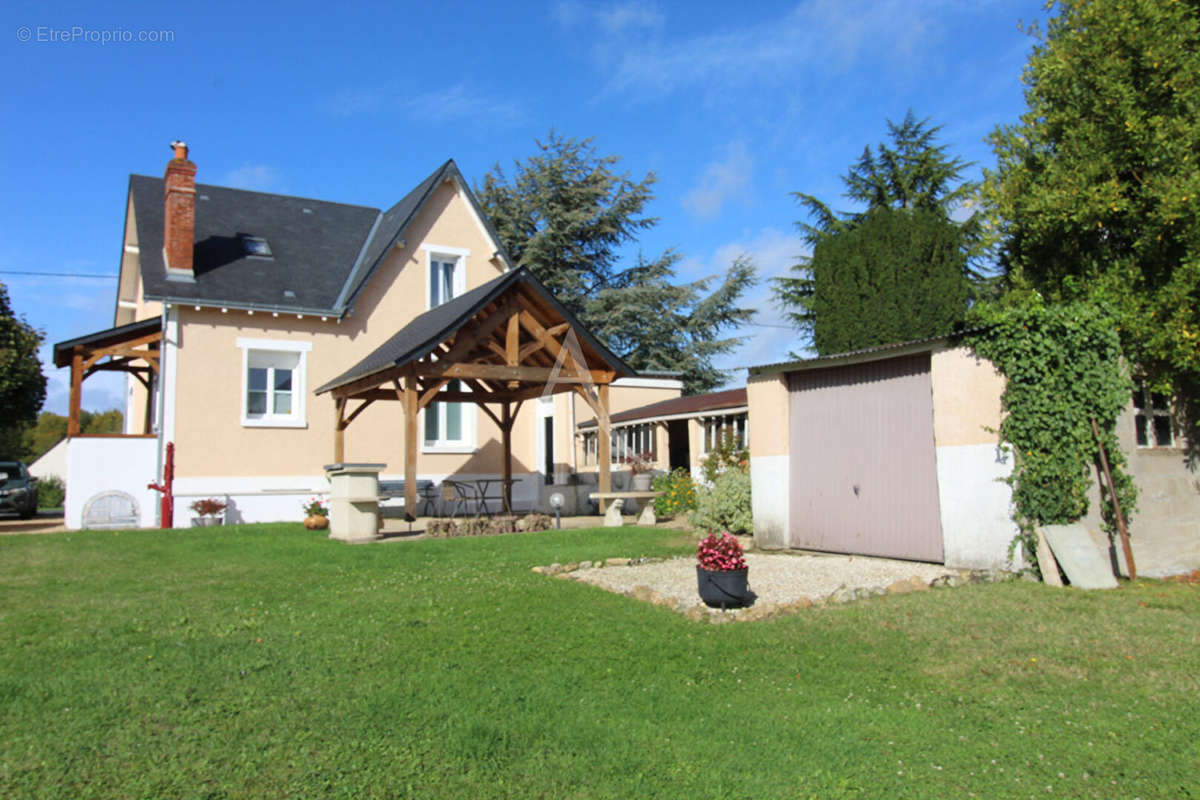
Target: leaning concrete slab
1047	562
1085	566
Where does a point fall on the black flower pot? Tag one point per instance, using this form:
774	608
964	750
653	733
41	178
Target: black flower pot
723	589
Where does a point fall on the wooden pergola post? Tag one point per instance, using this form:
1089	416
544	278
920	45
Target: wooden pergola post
603	444
410	443
339	430
506	423
76	392
148	416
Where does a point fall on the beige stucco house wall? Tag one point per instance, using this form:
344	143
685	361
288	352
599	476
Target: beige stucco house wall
770	416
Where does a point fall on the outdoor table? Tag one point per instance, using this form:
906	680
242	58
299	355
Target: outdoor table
481	486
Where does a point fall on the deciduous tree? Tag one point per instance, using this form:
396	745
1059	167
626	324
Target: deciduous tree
1096	192
22	384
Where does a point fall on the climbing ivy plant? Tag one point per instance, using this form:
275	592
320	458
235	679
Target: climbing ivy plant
1064	367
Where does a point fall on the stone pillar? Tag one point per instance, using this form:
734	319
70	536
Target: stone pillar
354	501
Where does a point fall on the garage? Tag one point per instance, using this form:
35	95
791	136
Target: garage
863	471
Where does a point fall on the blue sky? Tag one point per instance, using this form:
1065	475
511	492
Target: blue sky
732	107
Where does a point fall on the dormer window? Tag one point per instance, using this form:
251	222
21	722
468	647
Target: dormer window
446	273
256	246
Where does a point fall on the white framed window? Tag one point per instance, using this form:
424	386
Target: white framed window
449	427
445	273
273	383
1152	422
736	426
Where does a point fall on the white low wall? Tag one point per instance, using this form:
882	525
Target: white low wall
107	464
770	493
279	498
52	462
977	525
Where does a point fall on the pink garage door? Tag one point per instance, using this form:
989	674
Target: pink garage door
863	470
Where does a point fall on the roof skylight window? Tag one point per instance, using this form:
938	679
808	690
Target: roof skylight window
256	246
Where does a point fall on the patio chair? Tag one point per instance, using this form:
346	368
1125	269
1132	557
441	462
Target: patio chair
455	496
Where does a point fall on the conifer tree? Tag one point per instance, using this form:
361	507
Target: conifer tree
566	214
900	268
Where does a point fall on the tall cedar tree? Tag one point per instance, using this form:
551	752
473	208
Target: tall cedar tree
894	275
22	384
898	269
565	215
1096	192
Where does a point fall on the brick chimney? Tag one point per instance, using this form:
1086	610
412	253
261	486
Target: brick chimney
179	229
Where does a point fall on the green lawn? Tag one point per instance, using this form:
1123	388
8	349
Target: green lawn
266	661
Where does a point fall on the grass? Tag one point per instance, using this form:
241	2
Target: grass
266	661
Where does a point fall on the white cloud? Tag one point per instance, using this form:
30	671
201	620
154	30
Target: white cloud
613	19
825	34
455	102
722	181
255	177
460	102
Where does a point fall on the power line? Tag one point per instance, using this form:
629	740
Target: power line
769	325
57	274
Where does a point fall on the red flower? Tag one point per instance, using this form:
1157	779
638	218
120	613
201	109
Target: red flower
721	554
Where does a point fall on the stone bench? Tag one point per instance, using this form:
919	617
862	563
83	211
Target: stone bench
612	517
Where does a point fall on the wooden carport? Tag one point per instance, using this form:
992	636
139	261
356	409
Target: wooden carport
508	340
132	348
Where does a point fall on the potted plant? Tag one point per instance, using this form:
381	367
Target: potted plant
208	508
641	465
722	573
316	515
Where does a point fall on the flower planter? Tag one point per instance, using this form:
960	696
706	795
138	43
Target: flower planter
206	521
642	481
723	588
316	522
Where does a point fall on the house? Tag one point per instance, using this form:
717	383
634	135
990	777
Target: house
233	307
893	451
677	432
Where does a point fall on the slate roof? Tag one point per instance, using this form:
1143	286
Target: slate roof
323	253
678	407
418	338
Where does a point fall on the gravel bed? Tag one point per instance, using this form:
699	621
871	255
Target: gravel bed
775	579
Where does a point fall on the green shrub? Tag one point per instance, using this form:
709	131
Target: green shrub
51	492
679	492
726	506
728	453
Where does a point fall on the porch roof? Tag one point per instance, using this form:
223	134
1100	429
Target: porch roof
423	336
108	337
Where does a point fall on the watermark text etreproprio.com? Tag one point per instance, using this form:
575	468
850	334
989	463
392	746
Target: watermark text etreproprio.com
79	34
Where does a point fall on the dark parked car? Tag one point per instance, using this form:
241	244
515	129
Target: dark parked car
18	489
